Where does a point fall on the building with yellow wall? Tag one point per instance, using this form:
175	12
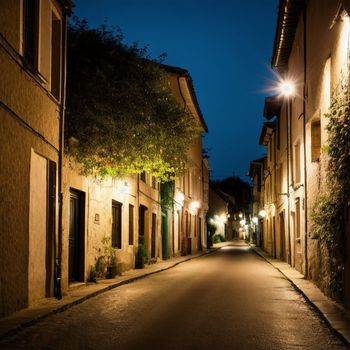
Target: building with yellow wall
32	90
115	213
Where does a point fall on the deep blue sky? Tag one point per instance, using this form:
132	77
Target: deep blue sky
226	45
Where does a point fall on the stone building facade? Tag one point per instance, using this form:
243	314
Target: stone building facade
109	217
311	53
32	90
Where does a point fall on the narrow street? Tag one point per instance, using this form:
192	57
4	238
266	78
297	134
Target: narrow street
231	299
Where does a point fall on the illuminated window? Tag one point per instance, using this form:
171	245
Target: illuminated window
315	141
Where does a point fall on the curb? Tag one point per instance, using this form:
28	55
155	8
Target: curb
91	295
307	299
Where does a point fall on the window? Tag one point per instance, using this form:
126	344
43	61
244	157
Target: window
30	32
116	225
143	176
55	56
327	79
131	224
297	163
259	181
297	218
154	182
315	141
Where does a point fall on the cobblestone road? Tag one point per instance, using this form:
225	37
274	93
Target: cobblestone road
231	299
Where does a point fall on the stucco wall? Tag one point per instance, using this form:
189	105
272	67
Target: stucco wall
29	122
98	217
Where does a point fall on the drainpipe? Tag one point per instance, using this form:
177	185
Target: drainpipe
304	139
58	248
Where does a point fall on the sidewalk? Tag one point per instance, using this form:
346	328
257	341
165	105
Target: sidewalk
333	313
76	295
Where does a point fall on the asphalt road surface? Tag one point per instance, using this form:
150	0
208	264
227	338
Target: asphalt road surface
231	299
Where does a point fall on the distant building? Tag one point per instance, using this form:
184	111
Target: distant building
187	229
32	90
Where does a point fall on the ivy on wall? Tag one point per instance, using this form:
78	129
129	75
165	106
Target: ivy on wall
122	117
328	219
167	195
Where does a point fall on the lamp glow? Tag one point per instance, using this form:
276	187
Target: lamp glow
242	222
194	206
262	213
287	88
123	187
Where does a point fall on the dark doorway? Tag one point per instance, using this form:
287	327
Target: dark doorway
153	238
116	224
51	228
261	232
199	234
142	225
76	236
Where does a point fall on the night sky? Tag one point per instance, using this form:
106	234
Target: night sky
226	45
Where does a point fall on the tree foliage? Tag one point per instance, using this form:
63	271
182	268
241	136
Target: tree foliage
122	117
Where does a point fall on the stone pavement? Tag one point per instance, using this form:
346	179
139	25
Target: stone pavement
333	313
81	292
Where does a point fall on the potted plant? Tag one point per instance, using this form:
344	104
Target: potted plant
106	263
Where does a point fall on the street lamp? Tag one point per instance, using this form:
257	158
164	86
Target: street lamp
287	88
262	213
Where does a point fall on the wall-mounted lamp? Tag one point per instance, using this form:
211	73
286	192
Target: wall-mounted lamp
262	213
123	187
194	205
287	88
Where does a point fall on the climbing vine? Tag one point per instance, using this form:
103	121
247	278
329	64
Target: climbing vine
167	195
122	117
328	211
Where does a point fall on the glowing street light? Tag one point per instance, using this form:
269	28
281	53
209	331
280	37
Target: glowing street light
262	213
287	88
194	205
